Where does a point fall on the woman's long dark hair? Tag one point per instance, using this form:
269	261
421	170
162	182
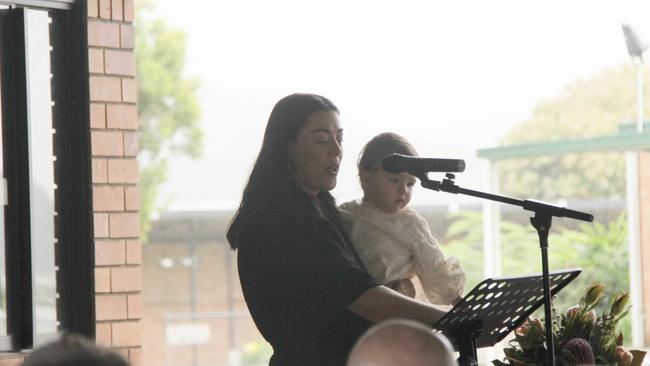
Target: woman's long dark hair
267	192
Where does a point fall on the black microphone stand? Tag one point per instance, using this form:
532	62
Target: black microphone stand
544	212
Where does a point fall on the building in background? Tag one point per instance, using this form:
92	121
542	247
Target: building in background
195	310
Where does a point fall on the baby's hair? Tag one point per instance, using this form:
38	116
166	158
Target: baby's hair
379	147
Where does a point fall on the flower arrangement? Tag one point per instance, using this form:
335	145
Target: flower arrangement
581	336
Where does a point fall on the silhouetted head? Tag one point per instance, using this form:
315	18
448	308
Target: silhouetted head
401	342
73	350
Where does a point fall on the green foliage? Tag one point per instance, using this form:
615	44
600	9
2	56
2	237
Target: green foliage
465	242
581	337
256	354
586	108
600	249
168	106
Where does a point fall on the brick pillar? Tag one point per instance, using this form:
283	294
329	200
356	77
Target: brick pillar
114	123
644	221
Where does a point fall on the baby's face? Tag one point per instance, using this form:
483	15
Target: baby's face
387	191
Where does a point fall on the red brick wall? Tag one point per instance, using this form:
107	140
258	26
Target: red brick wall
11	359
168	292
114	146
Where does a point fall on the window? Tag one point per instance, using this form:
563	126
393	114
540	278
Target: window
3	202
41	172
28	168
46	168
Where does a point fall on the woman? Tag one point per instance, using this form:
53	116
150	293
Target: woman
304	285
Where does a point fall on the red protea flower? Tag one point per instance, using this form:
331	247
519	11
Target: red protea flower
576	310
572	311
523	329
623	356
528	325
591	316
537	324
577	351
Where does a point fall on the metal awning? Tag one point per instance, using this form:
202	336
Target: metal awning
625	140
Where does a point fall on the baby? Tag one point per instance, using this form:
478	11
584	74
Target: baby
393	241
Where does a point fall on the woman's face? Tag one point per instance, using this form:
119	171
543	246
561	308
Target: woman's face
316	153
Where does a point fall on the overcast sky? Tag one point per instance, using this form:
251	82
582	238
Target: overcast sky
451	76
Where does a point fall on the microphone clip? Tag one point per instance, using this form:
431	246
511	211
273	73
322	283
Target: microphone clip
449	179
447	184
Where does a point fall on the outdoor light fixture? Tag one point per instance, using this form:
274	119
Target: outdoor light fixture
635	48
635	45
166	262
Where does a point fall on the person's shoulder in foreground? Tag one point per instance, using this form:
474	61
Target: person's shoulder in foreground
73	350
402	342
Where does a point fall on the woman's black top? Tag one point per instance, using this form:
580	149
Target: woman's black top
298	274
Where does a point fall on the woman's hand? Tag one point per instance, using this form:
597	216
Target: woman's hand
404	287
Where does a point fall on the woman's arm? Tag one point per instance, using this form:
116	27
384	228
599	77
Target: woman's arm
381	303
404	287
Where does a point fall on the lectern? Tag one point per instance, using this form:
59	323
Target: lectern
494	308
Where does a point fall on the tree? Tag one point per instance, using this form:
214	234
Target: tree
168	106
599	248
587	108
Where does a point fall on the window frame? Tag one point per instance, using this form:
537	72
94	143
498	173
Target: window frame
16	169
73	221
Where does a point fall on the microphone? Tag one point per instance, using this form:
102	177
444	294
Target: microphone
397	163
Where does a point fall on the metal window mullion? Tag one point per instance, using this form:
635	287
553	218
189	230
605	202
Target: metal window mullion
72	174
16	168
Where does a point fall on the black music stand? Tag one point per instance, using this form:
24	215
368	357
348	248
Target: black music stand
494	308
544	213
